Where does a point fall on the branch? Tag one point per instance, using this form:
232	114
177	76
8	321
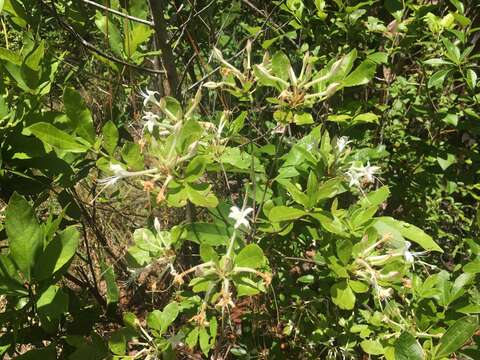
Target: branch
168	60
92	47
119	13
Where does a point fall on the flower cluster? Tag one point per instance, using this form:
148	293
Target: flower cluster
361	175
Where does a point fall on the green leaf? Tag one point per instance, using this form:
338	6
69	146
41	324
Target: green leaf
95	349
172	108
451	119
452	52
236	158
306	279
195	168
109	28
204	341
207	253
329	223
31	67
372	347
59	251
328	189
250	256
285	213
190	132
281	65
201	195
303	119
110	137
137	36
10	56
118	341
48	353
365	118
295	192
52	303
437	79
344	250
341	70
342	295
361	75
471	78
205	233
25	236
411	232
408	348
446	163
192	338
79	114
113	293
56	138
456	336
472	267
169	314
161	320
132	155
10	282
247	287
361	216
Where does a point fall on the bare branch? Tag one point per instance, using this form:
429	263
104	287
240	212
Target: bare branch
119	13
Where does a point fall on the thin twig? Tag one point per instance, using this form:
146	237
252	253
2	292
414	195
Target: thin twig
119	13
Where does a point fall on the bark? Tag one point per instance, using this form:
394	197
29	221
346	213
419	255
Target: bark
170	85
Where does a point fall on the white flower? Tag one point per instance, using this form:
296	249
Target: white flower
173	272
414	257
407	255
240	216
150	121
369	172
156	224
149	97
355	174
342	143
118	173
212	85
359	174
221	125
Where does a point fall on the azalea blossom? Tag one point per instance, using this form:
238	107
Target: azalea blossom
150	121
407	255
212	84
362	174
369	172
118	173
240	216
355	174
342	143
149	97
221	125
156	224
173	272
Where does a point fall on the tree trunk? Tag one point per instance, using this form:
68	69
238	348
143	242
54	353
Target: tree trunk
170	85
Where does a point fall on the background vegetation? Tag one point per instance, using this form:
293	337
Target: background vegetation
291	179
